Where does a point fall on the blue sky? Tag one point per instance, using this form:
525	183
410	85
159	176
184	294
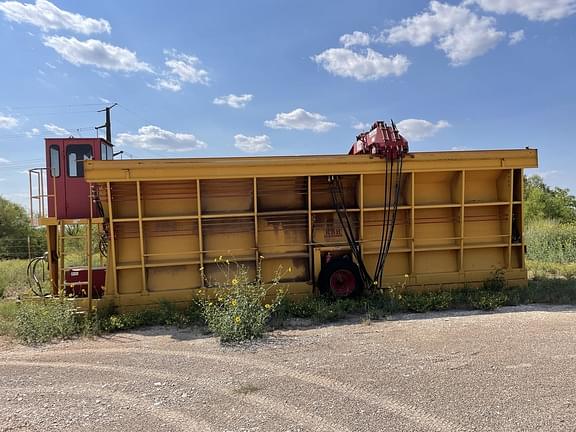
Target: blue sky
229	78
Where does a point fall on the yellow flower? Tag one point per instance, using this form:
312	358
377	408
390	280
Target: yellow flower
234	302
210	304
237	319
234	281
289	269
227	262
267	306
220	258
220	299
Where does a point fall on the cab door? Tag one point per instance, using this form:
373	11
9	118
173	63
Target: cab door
77	189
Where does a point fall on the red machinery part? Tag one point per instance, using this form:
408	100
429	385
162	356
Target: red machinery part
382	140
76	282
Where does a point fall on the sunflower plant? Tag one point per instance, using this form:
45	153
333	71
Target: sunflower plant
239	308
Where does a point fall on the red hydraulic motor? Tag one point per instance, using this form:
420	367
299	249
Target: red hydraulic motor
382	140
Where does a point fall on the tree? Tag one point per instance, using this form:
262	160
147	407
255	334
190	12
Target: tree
16	230
543	202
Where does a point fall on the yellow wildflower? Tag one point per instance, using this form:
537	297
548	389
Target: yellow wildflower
267	306
234	302
237	319
234	281
220	299
289	269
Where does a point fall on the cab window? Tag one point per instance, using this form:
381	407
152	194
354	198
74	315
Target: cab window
106	152
76	154
54	161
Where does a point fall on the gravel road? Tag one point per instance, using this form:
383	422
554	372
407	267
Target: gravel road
513	370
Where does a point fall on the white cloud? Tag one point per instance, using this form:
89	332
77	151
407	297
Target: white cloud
534	10
96	53
417	129
56	130
459	32
166	84
355	38
252	144
7	121
33	132
4	161
182	68
154	138
364	67
546	174
515	37
50	65
233	100
47	16
361	126
104	100
461	148
300	119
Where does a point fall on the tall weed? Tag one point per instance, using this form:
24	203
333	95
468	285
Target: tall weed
242	306
551	242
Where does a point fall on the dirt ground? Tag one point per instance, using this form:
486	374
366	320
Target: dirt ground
513	370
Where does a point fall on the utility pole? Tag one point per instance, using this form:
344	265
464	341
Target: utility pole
108	124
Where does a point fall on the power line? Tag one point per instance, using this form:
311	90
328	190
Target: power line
55	106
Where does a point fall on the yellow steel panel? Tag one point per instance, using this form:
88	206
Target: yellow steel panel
485	259
226	196
436	227
282	166
442	261
460	218
174	198
373	225
279	234
181	277
129	281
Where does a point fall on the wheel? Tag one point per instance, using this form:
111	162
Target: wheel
340	278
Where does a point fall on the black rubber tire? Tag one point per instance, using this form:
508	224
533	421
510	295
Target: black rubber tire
333	266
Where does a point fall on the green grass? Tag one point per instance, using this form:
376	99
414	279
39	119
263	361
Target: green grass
546	270
8	311
39	321
13	279
548	241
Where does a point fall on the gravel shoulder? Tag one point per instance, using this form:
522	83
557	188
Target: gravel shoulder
513	370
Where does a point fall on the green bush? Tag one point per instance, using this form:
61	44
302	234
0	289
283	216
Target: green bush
425	302
166	314
239	310
551	242
43	321
486	300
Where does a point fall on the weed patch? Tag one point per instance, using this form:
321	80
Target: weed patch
240	310
43	321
